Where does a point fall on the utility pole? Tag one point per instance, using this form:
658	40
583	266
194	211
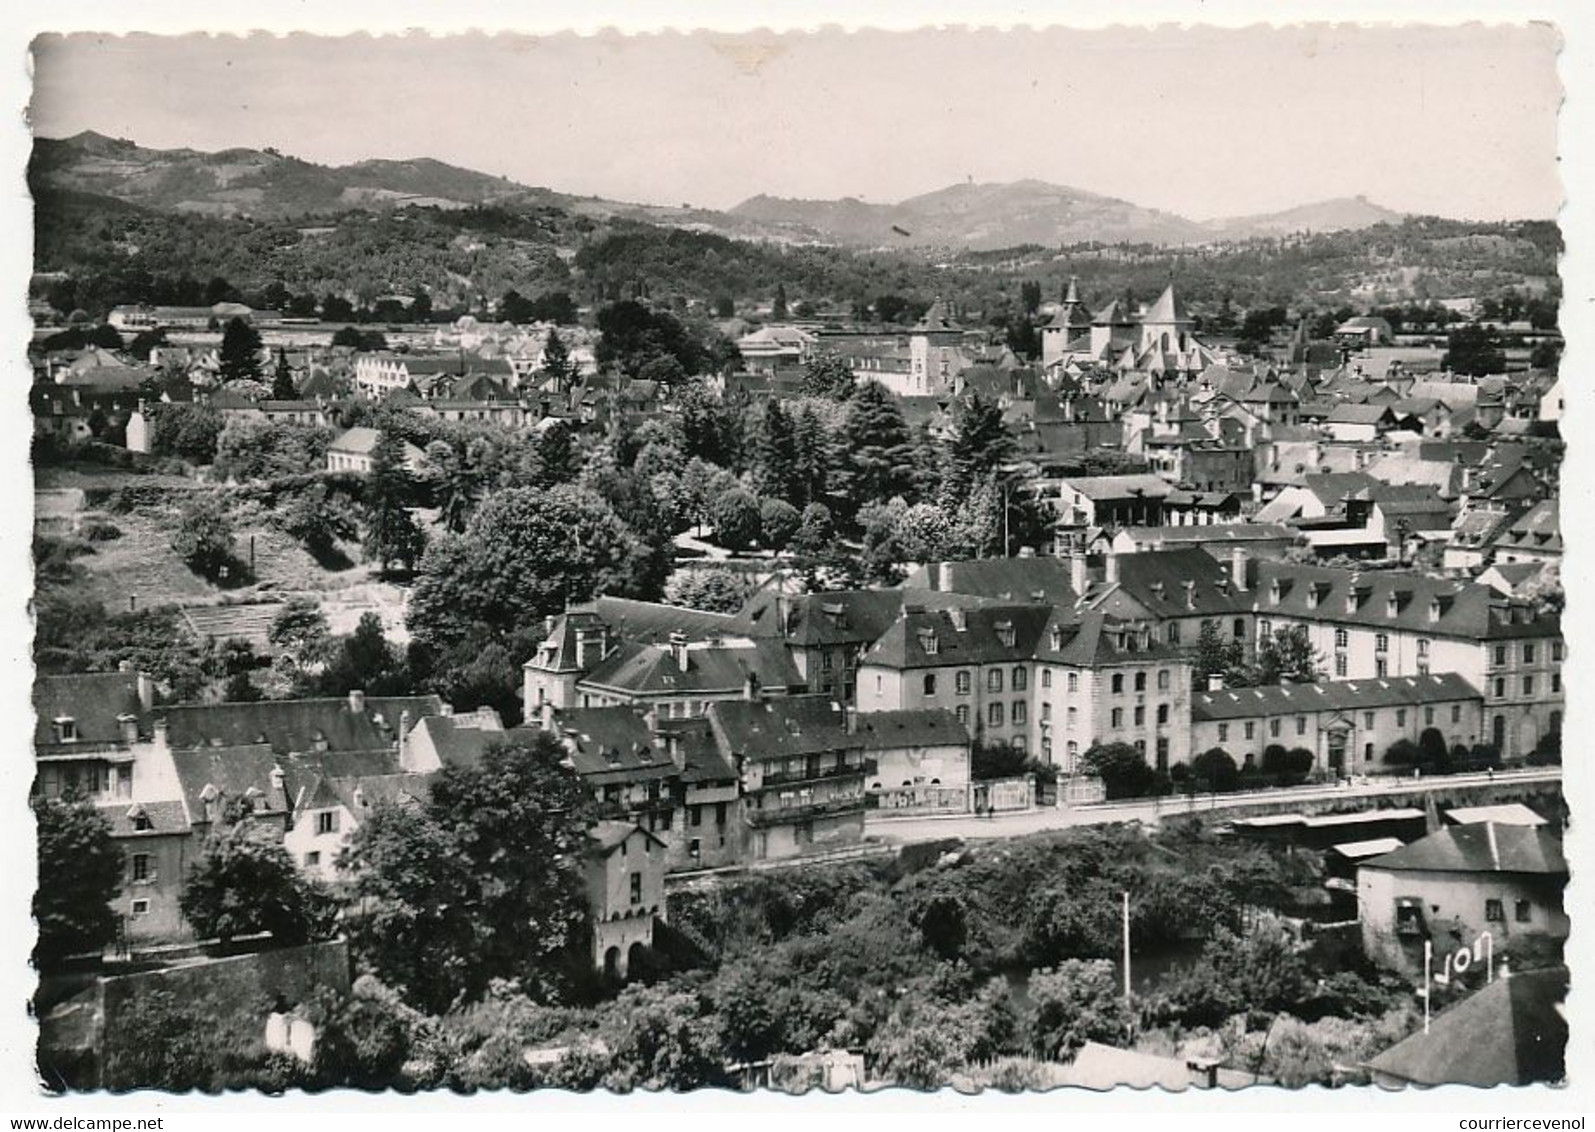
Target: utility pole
1126	896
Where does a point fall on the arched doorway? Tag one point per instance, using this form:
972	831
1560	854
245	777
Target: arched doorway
1498	735
634	958
612	963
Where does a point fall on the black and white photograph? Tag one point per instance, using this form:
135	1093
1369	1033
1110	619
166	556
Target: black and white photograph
981	559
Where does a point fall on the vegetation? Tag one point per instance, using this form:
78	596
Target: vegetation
246	883
80	873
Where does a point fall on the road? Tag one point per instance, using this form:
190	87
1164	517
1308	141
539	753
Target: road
971	828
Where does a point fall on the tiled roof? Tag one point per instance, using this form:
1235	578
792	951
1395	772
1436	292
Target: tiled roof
164	817
1539	529
233	772
1045	579
924	727
1119	487
295	725
909	641
1157	580
1330	695
1486	847
783	728
652	669
647	622
613	744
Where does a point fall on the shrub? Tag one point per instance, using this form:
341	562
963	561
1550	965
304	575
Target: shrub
1218	769
100	530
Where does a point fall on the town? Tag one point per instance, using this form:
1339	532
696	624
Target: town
495	642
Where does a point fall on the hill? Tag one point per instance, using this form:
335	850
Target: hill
1342	214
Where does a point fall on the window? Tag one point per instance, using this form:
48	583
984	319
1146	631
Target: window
930	683
1073	715
327	821
877	682
1367	721
1162	714
636	888
826	661
1046	748
1074	682
1528	685
1301	725
141	907
1239	629
1381	642
1173	633
1020	744
1072	749
1556	683
1046	677
1251	729
1019	713
1493	911
1163	679
1116	719
719	813
1500	686
1401	717
1423	646
1456	713
1118	684
962	682
1523	912
994	715
694	848
1021	680
1340	664
695	816
1528	654
1223	733
1140	681
1556	650
1140	716
962	712
1046	711
1500	654
1341	638
141	867
994	680
1381	668
1273	728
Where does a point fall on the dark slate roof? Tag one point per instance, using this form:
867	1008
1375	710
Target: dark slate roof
647	622
295	725
359	794
1466	610
1512	1032
710	668
1330	695
1120	487
461	746
844	617
235	772
924	727
980	641
1156	580
1094	639
607	836
1040	579
782	728
701	754
1538	529
93	700
1485	847
613	744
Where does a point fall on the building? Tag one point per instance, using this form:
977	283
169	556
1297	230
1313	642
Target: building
353	450
1382	623
1533	537
1347	725
624	869
912	749
1111	501
802	770
1459	884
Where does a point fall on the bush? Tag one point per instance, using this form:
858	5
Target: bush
101	531
1287	767
1218	769
1404	753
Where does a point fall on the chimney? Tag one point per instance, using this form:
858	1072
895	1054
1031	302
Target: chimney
357	701
1077	573
404	737
1111	569
1237	569
1190	593
944	577
678	650
750	687
1215	681
127	724
277	778
146	691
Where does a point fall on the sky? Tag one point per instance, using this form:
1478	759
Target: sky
1204	122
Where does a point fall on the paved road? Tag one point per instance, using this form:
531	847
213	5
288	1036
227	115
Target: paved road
971	828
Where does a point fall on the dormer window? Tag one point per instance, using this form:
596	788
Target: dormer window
928	643
1057	637
66	729
1005	633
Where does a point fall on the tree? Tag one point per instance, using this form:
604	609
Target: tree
245	883
460	477
714	591
300	630
1288	657
981	446
525	553
318	519
1474	351
1079	1001
778	307
282	379
363	661
663	1038
778	523
816	532
775	453
630	334
942	927
1216	656
482	882
557	364
736	520
1218	769
391	531
80	873
879	453
556	456
240	352
187	430
204	535
828	376
1122	768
